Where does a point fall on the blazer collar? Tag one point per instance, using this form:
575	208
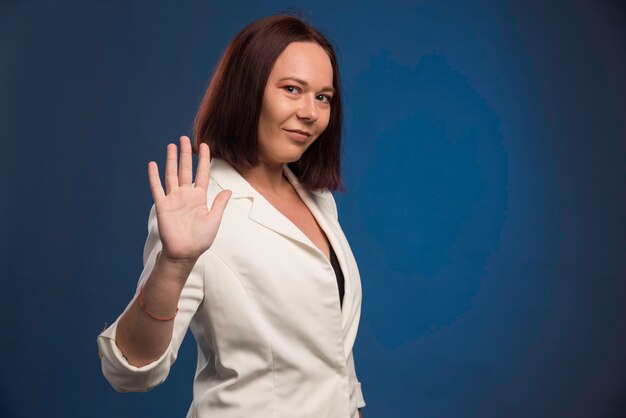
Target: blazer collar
228	178
264	213
261	210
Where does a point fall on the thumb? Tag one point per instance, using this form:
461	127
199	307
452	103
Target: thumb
219	204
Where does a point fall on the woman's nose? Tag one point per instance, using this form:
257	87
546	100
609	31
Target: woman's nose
308	108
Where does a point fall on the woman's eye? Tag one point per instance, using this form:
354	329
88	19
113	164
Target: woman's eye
293	89
288	88
328	98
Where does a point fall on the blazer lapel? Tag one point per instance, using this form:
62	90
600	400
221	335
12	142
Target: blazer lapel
331	229
261	211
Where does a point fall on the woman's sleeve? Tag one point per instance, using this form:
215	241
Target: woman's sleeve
360	402
125	377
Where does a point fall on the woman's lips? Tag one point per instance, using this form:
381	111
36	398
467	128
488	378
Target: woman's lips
297	136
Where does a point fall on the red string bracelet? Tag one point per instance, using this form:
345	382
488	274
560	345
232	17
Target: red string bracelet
143	308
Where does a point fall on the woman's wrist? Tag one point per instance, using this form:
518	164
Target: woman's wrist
170	275
180	262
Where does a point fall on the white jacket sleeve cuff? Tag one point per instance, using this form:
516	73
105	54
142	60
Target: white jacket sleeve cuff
360	401
123	376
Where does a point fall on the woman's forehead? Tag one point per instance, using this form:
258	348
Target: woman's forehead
304	61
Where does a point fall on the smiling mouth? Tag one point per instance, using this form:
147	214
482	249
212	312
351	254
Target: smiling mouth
299	131
297	135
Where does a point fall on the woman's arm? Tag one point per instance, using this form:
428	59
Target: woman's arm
141	338
125	377
186	229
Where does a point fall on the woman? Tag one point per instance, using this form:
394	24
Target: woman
265	278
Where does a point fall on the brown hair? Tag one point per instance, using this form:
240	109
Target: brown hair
228	116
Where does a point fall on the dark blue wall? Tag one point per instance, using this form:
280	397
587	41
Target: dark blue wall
484	158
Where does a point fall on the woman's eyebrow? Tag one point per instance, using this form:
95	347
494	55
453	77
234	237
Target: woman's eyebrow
304	83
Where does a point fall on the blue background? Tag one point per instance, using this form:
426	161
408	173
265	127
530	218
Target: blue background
484	157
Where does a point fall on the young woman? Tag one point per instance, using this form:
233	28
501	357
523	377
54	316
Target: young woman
265	278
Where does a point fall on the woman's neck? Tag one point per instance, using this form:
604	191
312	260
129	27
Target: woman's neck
268	178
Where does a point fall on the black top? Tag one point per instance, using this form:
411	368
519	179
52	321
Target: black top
338	273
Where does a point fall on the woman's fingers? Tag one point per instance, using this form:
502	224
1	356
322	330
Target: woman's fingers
175	177
204	163
171	169
219	204
185	174
155	182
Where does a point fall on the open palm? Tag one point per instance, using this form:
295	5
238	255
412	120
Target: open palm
186	226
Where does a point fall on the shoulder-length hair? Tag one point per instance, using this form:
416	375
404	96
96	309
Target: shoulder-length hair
228	116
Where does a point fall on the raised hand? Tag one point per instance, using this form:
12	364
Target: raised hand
186	226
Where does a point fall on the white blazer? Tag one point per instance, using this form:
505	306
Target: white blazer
263	306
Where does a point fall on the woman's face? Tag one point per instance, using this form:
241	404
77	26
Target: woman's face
297	97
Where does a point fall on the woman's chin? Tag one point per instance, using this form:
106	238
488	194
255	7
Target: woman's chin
288	154
292	155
